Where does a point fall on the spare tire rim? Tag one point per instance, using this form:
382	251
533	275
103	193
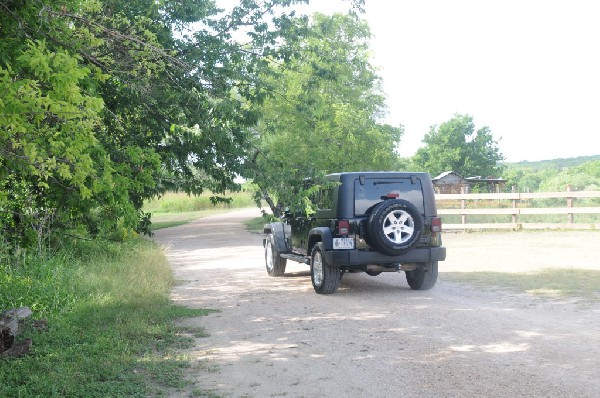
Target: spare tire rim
398	226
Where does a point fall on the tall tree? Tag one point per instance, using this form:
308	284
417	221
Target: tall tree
323	114
456	146
108	102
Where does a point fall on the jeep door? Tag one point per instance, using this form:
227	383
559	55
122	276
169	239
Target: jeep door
301	226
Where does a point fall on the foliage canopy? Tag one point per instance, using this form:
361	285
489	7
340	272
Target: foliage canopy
555	176
107	103
323	115
456	146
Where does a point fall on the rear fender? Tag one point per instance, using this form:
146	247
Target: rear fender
321	234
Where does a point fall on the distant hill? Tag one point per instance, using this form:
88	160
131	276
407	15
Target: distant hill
554	163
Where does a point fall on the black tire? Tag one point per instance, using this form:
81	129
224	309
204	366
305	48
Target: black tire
394	226
373	273
275	265
424	277
324	276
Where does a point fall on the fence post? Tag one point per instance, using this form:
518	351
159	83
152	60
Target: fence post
514	205
569	204
463	205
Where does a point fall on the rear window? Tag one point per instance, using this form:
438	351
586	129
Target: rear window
371	192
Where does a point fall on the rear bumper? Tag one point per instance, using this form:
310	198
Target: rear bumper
358	258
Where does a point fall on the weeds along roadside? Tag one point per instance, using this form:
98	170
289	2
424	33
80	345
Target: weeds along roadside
173	209
111	325
172	202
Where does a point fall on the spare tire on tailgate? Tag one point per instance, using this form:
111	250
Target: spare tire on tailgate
394	226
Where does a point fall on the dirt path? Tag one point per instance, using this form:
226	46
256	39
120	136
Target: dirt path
275	337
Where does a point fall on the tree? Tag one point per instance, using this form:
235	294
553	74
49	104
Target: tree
527	179
106	103
456	146
323	114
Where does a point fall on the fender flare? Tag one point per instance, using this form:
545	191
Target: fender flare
320	234
278	230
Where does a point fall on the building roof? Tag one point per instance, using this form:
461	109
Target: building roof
445	174
468	179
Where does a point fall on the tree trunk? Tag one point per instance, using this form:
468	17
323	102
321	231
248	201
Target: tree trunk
274	209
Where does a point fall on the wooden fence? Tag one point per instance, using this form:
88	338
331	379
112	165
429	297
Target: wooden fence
463	205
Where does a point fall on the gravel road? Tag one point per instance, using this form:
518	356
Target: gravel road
275	337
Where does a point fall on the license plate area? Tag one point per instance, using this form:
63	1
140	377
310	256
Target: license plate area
343	243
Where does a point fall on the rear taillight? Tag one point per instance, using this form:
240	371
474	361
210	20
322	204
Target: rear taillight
436	224
343	227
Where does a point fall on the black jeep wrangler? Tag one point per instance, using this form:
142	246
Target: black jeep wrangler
369	222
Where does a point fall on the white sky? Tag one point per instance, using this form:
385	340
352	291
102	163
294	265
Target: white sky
528	69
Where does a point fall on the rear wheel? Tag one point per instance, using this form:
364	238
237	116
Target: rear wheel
275	265
325	277
424	277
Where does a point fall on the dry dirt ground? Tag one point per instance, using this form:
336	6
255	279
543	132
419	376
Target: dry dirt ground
275	337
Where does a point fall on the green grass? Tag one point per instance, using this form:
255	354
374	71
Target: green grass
174	209
180	202
549	283
256	224
111	325
166	220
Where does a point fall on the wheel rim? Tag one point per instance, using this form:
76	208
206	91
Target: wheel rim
398	226
269	255
317	269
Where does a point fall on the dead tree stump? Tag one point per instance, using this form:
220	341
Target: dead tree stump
11	325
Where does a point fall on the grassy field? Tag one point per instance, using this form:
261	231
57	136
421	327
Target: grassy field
180	202
174	209
166	220
111	324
